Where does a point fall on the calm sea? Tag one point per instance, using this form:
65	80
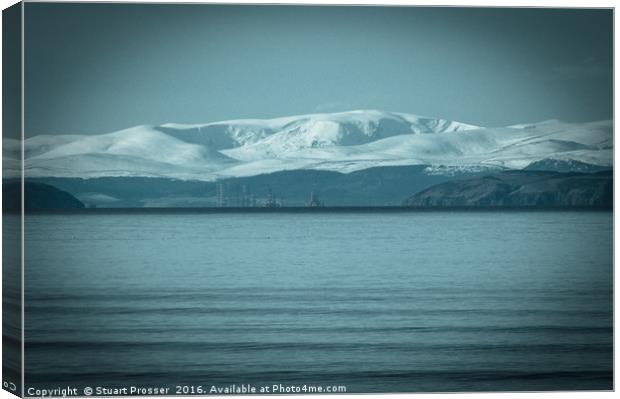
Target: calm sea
376	302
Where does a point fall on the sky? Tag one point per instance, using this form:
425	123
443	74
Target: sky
96	68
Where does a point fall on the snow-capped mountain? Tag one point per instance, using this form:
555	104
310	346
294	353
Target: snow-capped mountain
342	142
281	135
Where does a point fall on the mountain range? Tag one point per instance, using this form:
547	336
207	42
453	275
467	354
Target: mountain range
316	152
340	142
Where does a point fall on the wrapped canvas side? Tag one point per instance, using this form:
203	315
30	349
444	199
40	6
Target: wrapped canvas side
12	201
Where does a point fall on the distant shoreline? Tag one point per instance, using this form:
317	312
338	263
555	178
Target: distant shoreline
332	209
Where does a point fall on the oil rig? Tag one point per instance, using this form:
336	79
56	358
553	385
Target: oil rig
314	202
234	195
271	201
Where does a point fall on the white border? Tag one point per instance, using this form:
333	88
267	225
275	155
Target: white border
476	3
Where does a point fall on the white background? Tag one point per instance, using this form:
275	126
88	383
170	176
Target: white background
479	3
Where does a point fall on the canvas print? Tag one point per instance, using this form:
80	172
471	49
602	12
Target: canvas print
276	199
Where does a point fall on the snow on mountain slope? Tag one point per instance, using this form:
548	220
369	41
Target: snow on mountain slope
344	142
11	158
469	149
138	151
102	165
42	144
11	149
340	129
273	136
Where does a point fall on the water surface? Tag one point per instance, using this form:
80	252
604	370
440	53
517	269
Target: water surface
379	302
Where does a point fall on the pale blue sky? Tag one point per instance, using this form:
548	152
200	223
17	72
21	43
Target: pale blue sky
94	68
